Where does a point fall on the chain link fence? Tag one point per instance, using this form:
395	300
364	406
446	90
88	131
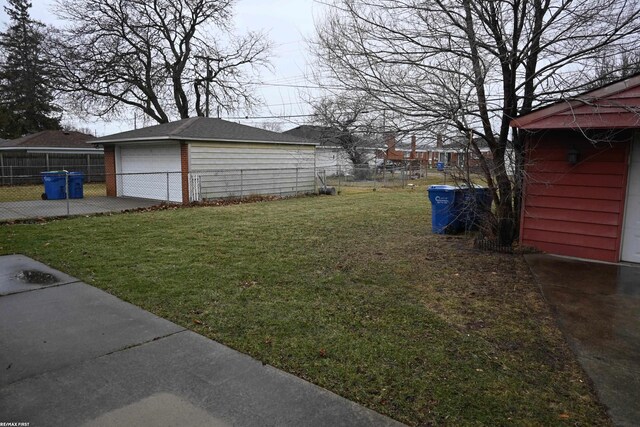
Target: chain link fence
370	176
62	193
208	185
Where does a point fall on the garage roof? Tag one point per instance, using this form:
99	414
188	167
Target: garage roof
52	141
202	129
612	106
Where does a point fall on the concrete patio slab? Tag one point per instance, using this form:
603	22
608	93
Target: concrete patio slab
54	208
58	326
74	355
19	273
208	383
598	309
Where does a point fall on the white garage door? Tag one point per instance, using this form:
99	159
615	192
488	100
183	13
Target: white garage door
150	172
631	232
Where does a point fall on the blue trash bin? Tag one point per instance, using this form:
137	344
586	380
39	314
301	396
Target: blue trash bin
440	166
55	183
446	201
476	202
76	185
484	199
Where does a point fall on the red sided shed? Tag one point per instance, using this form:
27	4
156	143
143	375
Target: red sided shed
582	175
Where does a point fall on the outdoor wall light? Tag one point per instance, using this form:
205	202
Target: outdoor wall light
572	156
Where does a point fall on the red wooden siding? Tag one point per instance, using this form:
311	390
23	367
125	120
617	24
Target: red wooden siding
575	210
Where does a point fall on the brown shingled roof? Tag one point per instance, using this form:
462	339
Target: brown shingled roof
51	138
202	128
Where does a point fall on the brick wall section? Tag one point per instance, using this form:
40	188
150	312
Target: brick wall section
184	163
110	170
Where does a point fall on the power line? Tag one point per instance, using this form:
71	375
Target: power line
286	116
297	86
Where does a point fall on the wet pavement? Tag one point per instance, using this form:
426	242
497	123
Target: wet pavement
598	308
86	206
74	355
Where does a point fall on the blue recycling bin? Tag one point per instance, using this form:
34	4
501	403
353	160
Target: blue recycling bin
55	184
446	202
476	203
76	185
440	166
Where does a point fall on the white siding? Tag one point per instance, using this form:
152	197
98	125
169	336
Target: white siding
241	169
332	160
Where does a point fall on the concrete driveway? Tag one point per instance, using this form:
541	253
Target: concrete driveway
74	355
598	309
52	208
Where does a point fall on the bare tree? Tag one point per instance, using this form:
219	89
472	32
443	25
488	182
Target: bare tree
157	56
468	67
347	122
611	67
270	126
82	129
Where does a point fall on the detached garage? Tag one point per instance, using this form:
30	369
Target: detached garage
582	182
203	158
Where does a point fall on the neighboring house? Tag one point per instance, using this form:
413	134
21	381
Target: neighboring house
449	153
330	156
204	158
401	157
458	153
49	150
582	183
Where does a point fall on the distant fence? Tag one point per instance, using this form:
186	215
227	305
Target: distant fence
25	168
369	176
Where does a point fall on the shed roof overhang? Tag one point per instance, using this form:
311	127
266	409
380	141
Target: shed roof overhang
614	106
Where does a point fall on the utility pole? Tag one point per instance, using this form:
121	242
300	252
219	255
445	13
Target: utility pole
208	79
207	90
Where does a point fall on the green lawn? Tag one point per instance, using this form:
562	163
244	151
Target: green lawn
18	193
350	292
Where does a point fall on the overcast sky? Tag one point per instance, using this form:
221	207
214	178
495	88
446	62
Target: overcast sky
288	23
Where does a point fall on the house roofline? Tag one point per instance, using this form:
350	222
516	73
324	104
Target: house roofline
151	139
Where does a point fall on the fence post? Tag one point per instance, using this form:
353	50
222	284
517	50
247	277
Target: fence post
384	173
11	175
297	181
168	197
66	189
241	184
